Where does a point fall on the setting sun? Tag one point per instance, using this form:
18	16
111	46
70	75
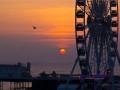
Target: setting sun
62	51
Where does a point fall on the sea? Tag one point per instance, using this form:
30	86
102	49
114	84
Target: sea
59	68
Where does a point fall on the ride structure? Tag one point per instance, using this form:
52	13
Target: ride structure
96	31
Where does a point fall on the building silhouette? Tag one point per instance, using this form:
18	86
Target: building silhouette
18	70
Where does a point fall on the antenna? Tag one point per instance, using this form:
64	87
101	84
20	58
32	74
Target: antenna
28	58
19	58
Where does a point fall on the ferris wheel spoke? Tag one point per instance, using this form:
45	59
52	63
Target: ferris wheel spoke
88	33
109	60
99	59
90	25
101	62
88	52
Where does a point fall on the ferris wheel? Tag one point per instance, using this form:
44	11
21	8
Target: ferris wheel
96	31
96	28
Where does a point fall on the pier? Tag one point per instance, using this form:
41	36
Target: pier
40	83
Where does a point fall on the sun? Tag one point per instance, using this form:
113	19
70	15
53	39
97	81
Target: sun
62	51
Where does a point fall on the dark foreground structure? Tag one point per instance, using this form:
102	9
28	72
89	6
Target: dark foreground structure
38	83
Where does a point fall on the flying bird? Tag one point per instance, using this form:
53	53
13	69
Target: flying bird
34	27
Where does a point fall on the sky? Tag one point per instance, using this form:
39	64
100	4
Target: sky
19	42
55	30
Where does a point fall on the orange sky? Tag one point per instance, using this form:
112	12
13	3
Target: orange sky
52	18
22	13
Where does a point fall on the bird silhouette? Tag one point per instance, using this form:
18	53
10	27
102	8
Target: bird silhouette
34	27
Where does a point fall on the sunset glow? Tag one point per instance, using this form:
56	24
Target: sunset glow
62	51
52	42
52	22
